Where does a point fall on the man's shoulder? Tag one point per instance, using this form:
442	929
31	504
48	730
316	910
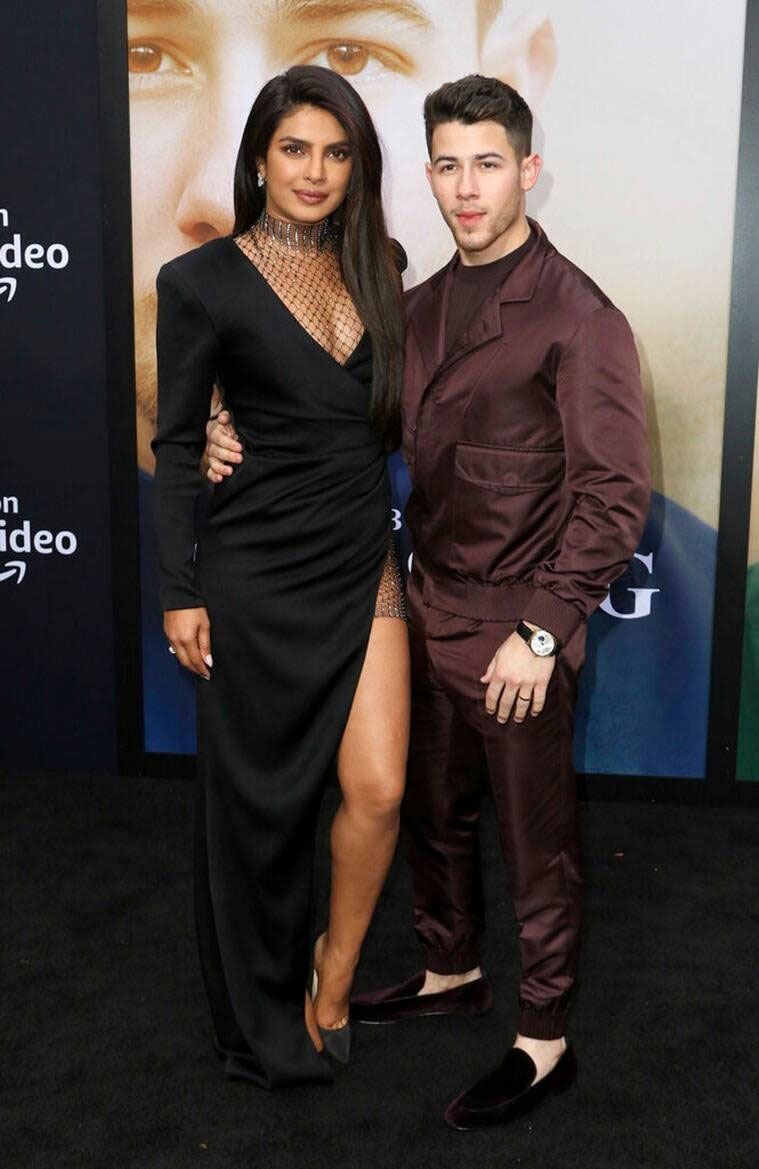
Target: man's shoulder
565	282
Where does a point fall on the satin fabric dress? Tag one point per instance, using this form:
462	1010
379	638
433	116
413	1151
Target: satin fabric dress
288	563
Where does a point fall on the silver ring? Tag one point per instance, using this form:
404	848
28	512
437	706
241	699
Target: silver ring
527	699
172	650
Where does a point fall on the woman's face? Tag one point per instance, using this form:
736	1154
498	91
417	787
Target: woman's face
307	166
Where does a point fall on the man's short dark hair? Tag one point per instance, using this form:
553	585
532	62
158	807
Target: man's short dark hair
480	99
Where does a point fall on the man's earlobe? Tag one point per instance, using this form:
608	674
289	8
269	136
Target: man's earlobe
531	168
521	52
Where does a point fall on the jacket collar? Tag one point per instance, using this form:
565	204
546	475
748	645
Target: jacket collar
428	316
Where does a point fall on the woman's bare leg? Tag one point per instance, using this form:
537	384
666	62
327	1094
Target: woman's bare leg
371	766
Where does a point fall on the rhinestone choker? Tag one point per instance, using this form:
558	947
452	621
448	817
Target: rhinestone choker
301	237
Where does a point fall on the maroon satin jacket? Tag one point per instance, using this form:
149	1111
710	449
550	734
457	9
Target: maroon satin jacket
525	444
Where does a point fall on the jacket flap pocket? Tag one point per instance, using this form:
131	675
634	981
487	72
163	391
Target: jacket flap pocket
509	469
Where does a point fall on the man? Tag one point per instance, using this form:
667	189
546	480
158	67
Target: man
525	441
195	67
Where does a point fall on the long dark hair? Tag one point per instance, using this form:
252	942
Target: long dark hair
368	257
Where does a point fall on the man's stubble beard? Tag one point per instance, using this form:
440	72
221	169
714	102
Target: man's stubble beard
484	237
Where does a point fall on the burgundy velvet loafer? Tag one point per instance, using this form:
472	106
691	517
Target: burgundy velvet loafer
507	1092
391	1004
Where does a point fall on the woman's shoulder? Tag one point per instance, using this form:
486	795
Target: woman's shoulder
201	266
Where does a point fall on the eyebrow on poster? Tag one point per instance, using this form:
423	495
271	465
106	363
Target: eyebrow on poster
302	10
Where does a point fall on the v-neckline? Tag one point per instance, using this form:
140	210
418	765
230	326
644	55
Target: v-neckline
322	349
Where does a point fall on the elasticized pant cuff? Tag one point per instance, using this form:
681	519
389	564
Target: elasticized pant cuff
539	1025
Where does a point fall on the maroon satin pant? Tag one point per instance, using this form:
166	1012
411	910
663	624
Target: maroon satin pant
533	787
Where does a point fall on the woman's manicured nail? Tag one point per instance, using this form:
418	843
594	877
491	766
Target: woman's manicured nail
208	660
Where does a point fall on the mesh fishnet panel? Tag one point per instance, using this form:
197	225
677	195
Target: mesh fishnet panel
391	601
302	268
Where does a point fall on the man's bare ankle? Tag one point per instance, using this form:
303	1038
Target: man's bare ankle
545	1053
435	983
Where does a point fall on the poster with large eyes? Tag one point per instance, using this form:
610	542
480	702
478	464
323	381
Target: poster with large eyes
637	110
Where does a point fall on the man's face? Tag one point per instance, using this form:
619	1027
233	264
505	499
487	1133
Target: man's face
479	183
196	66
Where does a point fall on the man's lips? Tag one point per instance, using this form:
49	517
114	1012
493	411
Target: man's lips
469	217
311	196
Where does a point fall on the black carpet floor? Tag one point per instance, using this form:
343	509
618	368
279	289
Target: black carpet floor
107	1058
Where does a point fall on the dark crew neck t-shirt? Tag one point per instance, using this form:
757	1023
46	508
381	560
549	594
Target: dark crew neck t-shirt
473	285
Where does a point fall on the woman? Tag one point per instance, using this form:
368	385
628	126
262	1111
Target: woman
290	611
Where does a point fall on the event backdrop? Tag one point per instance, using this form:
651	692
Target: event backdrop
638	112
647	116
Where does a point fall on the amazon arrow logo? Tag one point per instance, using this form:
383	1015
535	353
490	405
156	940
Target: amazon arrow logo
14	566
8	286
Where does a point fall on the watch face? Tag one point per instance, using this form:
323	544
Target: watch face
543	644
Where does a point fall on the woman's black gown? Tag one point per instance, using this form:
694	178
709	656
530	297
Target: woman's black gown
288	562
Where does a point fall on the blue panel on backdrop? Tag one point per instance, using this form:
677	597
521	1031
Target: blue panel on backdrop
58	701
644	692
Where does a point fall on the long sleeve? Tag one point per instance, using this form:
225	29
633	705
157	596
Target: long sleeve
599	397
187	356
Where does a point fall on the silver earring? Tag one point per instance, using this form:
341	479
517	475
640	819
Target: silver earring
261	180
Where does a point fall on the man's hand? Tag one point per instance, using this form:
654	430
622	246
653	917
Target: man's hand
516	679
223	449
189	634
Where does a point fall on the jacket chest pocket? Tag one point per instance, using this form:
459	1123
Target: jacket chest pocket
506	508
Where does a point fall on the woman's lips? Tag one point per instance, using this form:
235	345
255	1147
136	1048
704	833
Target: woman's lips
311	196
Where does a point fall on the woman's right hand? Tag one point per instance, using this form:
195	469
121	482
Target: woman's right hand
223	448
189	634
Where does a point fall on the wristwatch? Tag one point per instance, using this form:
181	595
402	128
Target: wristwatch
542	643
